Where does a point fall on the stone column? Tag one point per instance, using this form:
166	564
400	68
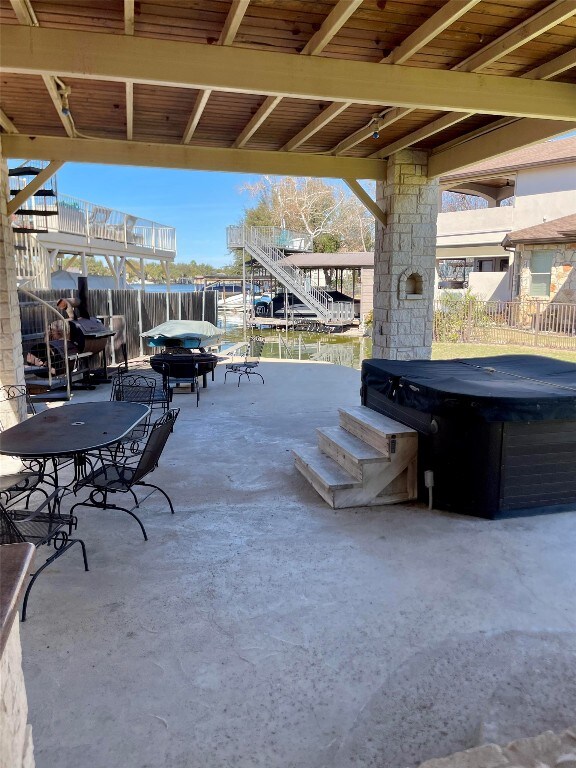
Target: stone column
11	363
404	259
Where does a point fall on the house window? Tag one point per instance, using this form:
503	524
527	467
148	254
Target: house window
541	273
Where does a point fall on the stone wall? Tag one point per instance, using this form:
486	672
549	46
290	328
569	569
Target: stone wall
16	748
549	750
563	277
404	259
11	363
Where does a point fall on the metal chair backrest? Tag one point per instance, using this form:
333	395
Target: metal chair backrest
254	351
133	389
15	403
9	533
157	439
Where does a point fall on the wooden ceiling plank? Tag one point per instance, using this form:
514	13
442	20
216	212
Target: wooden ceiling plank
129	17
24	12
157	155
270	103
331	25
477	132
553	68
194	119
364	133
521	133
315	125
431	28
233	21
7	124
536	25
423	133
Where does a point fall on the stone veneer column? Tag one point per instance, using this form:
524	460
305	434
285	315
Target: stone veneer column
404	259
16	747
11	363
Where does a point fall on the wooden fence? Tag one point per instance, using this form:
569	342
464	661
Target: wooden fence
530	322
130	312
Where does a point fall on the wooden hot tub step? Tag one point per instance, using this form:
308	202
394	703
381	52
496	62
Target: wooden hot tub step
373	428
349	451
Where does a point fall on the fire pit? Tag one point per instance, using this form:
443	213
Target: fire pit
185	364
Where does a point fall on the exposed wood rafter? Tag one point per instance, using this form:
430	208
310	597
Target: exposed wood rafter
33	186
533	27
430	29
52	85
231	25
7	124
266	108
24	12
128	17
121	152
315	125
331	25
367	201
392	116
423	133
553	68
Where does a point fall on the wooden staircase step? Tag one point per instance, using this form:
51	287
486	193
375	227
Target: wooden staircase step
373	428
349	451
325	476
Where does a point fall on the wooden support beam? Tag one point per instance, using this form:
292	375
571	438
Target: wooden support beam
519	134
367	201
423	133
315	125
536	25
129	111
107	56
128	17
52	85
331	25
24	12
266	108
36	183
431	28
194	119
233	21
146	154
7	124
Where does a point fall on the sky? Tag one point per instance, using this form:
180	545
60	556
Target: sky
199	204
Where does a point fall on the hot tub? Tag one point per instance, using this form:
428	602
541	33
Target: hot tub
498	433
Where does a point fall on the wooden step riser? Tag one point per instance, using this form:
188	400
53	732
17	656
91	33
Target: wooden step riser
339	454
326	493
362	431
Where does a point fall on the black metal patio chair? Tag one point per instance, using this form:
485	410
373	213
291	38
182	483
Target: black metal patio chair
135	388
114	476
250	362
22	476
42	525
162	397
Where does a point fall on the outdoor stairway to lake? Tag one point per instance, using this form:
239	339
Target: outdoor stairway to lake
369	459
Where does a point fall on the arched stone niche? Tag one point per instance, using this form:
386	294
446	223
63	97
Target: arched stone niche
412	284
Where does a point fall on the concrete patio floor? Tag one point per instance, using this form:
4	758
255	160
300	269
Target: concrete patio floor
258	627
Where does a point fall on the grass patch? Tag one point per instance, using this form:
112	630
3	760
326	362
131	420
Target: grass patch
445	351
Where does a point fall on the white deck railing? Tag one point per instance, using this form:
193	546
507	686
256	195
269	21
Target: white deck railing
80	217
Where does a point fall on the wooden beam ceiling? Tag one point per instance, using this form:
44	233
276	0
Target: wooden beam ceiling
110	57
231	25
129	30
332	24
140	153
7	124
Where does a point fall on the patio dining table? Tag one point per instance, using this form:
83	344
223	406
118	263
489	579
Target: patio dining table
72	431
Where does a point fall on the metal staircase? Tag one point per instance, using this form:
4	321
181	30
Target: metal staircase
269	246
